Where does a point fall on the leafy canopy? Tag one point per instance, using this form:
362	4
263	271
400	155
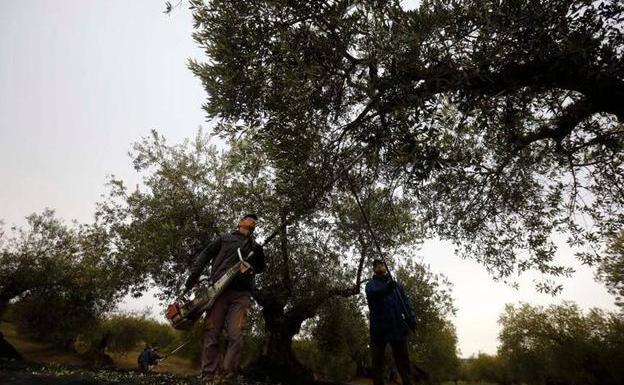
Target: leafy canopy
502	119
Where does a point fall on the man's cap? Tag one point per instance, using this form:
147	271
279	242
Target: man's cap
248	221
377	261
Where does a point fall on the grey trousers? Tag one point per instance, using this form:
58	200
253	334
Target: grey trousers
229	310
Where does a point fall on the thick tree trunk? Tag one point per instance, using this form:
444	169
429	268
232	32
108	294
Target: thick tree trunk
97	355
279	349
278	361
361	368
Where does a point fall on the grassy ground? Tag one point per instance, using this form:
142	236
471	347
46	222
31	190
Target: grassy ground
45	354
36	352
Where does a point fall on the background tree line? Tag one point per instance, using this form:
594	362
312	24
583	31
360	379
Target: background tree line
559	344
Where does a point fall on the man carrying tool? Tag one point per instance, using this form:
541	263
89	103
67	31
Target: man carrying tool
391	318
230	308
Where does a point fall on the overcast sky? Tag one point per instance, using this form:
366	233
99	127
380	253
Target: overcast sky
81	80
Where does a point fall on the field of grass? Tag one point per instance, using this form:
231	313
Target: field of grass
46	354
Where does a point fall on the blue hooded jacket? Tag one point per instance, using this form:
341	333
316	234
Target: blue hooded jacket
148	357
386	310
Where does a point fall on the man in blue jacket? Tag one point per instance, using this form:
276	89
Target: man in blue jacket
147	358
391	318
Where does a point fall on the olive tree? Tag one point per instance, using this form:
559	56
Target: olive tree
561	344
61	278
502	119
192	191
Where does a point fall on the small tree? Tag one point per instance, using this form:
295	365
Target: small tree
485	367
341	337
433	346
63	278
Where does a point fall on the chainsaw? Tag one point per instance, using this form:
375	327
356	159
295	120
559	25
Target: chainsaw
183	314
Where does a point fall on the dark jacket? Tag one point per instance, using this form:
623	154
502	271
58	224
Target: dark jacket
148	357
387	322
223	252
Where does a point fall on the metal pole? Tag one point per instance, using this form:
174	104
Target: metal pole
175	350
372	233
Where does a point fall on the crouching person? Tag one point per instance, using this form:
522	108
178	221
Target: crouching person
391	318
230	308
148	358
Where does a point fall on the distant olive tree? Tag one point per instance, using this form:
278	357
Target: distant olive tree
122	333
61	278
433	346
339	340
484	367
561	344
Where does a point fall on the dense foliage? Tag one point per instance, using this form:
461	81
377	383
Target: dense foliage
503	119
122	333
484	368
338	343
558	344
611	269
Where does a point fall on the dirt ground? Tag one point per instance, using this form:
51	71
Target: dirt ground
23	373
